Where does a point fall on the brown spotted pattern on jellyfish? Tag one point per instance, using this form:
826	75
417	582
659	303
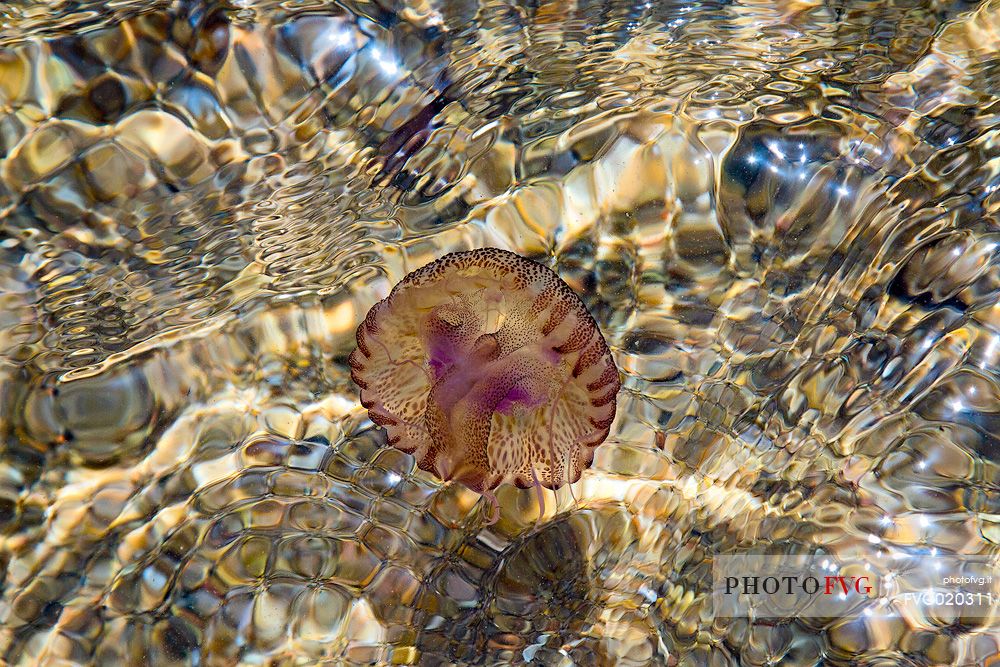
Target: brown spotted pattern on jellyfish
488	368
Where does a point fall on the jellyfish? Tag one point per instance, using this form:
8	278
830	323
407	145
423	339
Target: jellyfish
488	369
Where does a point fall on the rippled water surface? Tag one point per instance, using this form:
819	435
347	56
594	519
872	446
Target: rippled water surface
784	216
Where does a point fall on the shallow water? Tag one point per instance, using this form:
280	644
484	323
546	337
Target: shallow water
783	216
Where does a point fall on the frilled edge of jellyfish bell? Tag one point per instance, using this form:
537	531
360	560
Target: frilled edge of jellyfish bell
358	361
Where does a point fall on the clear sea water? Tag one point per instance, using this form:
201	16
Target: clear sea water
784	216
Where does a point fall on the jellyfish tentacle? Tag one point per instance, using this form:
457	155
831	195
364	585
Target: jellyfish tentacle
494	504
570	452
538	494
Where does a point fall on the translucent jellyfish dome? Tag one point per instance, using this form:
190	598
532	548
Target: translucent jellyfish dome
488	368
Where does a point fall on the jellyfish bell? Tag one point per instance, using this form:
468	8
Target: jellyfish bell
488	368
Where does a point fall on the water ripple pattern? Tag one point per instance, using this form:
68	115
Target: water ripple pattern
785	218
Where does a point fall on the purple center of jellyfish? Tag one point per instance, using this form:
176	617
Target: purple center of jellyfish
523	395
517	394
440	360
